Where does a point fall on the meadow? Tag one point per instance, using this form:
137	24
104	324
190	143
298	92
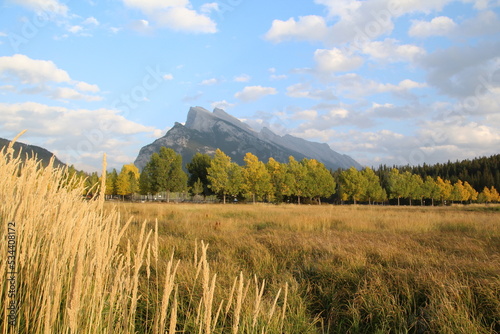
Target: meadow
73	265
348	269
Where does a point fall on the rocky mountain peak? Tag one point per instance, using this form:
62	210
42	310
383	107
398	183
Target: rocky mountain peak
206	131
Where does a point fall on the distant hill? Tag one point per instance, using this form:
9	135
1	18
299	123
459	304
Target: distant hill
30	150
206	131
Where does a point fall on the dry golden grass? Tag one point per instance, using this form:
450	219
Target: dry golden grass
357	269
83	269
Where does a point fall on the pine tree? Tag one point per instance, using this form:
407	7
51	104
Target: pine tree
198	170
165	172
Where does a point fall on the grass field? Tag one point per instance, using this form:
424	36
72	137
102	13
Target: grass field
348	269
84	266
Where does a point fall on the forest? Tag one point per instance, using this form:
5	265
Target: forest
306	181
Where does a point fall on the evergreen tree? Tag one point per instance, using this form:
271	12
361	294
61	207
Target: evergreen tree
165	172
198	170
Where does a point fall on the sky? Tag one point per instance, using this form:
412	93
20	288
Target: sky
384	81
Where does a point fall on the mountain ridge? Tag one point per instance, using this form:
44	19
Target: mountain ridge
205	131
41	153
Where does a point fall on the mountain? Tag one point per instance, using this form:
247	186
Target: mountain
205	131
40	152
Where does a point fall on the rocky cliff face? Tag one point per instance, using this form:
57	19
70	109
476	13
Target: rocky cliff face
204	132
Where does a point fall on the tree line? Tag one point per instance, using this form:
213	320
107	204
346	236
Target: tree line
295	181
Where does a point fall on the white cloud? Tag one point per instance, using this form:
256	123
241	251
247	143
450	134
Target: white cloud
49	6
209	82
66	93
438	26
75	29
176	15
335	60
31	71
208	8
91	21
185	19
308	28
78	136
222	105
308	114
242	78
85	87
305	90
168	77
39	77
253	93
389	50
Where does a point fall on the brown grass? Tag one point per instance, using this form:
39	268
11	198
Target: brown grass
351	268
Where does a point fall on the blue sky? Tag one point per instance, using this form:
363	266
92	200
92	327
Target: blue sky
394	82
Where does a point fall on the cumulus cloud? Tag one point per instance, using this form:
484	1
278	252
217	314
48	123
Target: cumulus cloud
49	6
438	26
177	15
308	28
77	136
335	60
209	82
31	71
34	76
305	90
253	93
242	78
222	105
389	50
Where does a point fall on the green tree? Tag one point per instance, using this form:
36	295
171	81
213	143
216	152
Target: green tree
415	187
219	173
235	180
280	179
354	184
297	177
319	182
374	190
145	184
111	183
165	172
430	189
198	170
197	188
256	178
397	185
